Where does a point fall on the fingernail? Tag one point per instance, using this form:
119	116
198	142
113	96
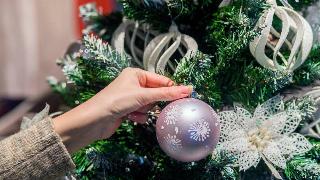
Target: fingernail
171	83
190	88
184	95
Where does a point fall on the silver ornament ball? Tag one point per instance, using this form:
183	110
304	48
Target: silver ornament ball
188	130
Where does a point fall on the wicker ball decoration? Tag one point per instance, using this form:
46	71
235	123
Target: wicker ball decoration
127	35
160	49
296	35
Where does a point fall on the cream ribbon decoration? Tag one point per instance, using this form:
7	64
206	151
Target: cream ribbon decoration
126	36
292	23
159	51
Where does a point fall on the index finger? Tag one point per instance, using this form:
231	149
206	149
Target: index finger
153	80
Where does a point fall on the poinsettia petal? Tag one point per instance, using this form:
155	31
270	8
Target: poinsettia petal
274	155
248	159
232	135
240	144
276	123
285	144
292	122
228	122
245	120
268	108
300	143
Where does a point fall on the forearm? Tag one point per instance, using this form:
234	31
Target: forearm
85	124
34	153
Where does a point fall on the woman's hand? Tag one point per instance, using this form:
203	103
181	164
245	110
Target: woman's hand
99	117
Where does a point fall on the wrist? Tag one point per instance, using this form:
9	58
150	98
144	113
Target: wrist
101	106
82	125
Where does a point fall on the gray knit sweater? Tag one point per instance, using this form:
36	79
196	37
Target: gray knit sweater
34	153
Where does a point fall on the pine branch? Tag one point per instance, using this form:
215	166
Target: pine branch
306	166
199	72
86	75
253	84
299	5
164	12
185	13
102	59
62	89
301	168
70	68
231	30
220	167
314	153
99	24
310	70
306	105
147	13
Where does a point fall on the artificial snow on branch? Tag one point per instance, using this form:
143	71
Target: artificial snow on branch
99	53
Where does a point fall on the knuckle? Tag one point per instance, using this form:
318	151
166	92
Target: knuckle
170	93
136	69
127	69
131	70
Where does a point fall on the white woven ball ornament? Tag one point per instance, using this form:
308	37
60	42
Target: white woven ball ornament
159	51
121	38
299	46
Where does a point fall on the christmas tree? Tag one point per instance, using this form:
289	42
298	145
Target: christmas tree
256	55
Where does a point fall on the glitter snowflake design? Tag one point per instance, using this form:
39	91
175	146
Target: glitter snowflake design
173	142
172	115
199	130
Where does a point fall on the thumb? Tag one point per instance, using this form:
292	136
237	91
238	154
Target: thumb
167	93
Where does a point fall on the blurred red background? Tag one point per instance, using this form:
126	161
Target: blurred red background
106	6
33	35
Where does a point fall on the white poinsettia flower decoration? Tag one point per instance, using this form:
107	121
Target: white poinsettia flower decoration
267	134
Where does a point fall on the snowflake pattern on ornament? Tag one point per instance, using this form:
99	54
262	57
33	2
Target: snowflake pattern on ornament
174	142
171	116
199	130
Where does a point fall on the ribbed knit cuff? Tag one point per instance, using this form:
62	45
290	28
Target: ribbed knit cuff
34	153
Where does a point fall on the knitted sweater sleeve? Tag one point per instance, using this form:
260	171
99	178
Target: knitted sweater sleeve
34	153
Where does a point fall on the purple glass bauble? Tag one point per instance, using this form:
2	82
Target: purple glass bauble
188	130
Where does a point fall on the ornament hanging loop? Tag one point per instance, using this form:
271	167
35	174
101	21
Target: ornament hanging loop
285	3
